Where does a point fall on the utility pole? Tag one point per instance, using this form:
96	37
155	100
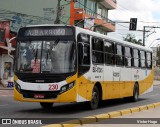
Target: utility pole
144	35
57	21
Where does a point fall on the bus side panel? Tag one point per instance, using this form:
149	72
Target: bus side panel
147	83
108	82
84	88
126	83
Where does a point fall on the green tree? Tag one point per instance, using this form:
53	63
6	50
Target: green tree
131	38
158	56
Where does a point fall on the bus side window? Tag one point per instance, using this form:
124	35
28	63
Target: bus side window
119	55
83	49
149	60
97	51
128	57
143	59
136	57
109	52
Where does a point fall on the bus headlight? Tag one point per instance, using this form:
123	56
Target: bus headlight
18	87
67	87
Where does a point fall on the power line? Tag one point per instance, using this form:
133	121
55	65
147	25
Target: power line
122	25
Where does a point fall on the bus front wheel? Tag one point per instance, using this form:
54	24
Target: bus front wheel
46	105
95	98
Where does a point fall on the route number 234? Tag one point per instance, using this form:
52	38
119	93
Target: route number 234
53	86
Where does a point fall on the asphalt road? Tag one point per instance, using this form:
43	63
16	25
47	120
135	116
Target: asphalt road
13	109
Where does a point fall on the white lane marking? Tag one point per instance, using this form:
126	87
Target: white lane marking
155	95
6	95
156	86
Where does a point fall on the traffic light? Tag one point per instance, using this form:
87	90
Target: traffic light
133	24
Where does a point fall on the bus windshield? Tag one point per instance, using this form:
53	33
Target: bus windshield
47	56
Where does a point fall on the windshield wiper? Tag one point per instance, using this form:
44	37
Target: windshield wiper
36	54
51	47
55	43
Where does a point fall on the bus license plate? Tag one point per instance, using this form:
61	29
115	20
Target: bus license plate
39	96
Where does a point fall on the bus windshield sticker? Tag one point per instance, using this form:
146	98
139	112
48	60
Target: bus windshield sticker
116	74
35	64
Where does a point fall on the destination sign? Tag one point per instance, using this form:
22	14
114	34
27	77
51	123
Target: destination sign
48	32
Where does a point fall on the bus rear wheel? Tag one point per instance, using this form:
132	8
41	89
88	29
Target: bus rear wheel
95	98
135	96
46	105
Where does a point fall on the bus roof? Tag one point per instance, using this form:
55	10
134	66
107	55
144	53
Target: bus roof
98	35
113	39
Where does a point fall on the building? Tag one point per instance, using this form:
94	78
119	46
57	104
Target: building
18	13
93	14
88	14
6	62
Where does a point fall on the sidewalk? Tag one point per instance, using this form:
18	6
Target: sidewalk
149	116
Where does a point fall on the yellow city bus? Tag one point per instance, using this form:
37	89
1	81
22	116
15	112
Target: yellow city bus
60	63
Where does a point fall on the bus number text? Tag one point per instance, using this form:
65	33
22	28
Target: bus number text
53	87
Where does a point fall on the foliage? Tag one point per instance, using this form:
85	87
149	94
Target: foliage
131	38
158	56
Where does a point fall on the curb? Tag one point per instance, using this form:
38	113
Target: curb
101	117
6	88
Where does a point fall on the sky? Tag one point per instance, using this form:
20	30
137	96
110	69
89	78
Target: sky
148	14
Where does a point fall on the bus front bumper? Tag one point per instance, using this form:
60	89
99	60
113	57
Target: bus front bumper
67	96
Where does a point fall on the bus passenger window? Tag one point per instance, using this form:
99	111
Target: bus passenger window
149	59
128	56
97	51
84	49
143	59
119	55
136	58
109	52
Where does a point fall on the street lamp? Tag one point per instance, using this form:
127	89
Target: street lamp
153	42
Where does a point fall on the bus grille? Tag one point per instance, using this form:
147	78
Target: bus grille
47	94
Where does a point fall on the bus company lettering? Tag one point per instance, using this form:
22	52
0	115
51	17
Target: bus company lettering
35	64
136	76
116	74
97	69
45	32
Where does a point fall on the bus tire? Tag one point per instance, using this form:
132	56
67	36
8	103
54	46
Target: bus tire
46	105
95	98
135	96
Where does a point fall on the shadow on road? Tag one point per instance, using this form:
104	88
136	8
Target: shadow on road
74	108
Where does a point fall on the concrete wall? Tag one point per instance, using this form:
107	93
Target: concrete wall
24	12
